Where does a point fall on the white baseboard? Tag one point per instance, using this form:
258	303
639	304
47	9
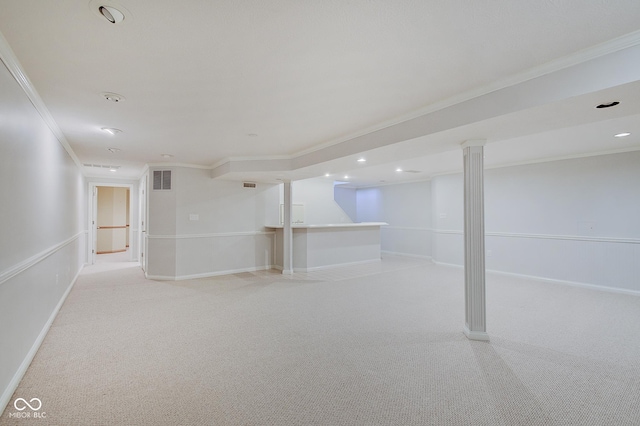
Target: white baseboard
476	335
616	290
451	265
335	265
17	377
570	283
396	253
207	274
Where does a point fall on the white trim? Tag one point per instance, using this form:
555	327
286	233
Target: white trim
8	57
91	214
185	165
565	237
548	237
616	290
565	157
399	182
538	161
396	253
450	265
250	158
33	260
473	142
212	235
481	336
590	53
407	228
17	377
207	274
447	231
334	265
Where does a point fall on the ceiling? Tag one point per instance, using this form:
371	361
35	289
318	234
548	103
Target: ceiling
287	90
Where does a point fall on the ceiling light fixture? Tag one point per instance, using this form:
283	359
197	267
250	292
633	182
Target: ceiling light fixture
113	169
327	175
111	14
166	155
113	97
398	169
622	135
361	160
346	176
111	130
607	104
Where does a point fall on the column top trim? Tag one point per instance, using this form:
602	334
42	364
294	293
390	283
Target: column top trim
473	142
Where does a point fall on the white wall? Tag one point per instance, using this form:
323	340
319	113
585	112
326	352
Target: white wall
42	248
573	220
228	235
317	196
347	200
407	210
567	220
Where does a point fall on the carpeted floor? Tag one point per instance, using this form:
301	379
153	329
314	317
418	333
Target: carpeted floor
376	344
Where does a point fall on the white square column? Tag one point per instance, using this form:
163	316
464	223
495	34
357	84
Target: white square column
287	233
475	327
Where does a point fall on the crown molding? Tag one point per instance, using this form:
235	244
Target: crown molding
576	58
185	165
546	160
8	57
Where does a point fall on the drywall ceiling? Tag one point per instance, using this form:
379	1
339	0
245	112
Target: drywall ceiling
207	81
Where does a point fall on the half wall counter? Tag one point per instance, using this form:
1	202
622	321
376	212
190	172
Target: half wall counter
325	246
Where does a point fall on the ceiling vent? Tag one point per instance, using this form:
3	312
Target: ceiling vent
249	184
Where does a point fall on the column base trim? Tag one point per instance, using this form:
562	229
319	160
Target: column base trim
476	335
287	272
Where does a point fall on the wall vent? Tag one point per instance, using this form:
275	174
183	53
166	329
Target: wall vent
249	184
161	180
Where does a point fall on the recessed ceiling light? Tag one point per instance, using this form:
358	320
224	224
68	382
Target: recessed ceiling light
346	176
113	169
111	14
622	135
361	160
113	150
327	175
398	169
113	97
607	104
111	130
166	155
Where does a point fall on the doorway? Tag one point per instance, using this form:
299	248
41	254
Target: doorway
110	219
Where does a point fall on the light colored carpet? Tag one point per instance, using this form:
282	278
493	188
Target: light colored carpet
376	344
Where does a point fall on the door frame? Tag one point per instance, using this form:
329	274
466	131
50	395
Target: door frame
92	216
